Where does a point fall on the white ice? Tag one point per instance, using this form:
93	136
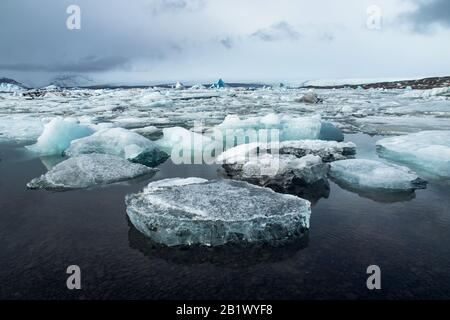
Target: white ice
371	174
426	150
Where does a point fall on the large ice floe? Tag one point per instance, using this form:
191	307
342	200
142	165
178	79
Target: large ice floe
374	175
58	134
88	170
425	150
119	142
196	211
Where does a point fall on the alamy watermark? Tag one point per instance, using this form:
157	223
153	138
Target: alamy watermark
374	17
261	146
73	21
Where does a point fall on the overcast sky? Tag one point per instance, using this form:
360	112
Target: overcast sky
145	41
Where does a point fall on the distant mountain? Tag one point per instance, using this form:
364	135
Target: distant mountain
11	81
71	80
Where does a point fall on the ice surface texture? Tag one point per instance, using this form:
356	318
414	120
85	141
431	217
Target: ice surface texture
88	170
370	174
427	150
119	142
58	134
327	150
196	211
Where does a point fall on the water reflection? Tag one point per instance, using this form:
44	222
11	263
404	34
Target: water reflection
382	196
231	256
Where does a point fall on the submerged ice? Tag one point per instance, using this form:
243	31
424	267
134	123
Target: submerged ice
88	170
195	211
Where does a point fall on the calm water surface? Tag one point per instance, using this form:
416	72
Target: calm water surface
43	232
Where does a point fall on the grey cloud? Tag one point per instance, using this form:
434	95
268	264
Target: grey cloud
171	6
227	42
86	64
278	31
428	13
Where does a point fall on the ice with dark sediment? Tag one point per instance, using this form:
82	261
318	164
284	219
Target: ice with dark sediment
195	211
305	176
119	142
327	150
89	170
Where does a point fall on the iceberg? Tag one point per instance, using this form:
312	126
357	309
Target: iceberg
88	170
309	97
179	86
371	174
194	211
119	142
219	84
57	135
425	150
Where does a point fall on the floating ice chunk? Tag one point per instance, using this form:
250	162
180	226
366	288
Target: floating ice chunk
119	142
197	87
288	127
430	93
181	141
330	132
161	103
148	131
58	134
88	170
370	174
426	150
327	150
309	97
219	84
20	128
179	86
305	177
191	212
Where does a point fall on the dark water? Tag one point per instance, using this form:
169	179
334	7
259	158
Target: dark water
41	233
